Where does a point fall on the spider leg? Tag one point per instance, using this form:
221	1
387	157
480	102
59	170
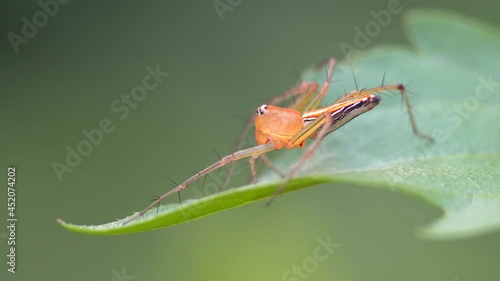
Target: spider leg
399	87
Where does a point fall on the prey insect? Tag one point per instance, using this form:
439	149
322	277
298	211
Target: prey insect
278	127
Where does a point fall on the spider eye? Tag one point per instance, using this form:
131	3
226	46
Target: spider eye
261	109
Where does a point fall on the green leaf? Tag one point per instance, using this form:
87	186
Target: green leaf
452	66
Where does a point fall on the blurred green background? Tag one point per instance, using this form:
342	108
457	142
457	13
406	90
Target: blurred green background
64	80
